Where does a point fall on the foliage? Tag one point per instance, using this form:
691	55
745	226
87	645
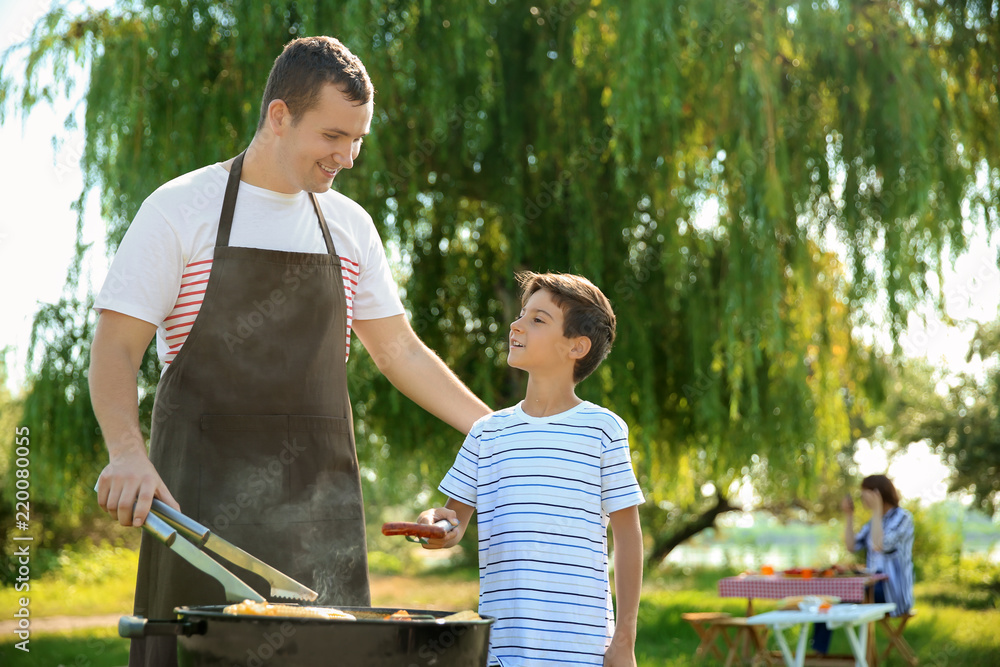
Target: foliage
10	417
962	423
693	159
937	541
971	582
10	420
66	450
93	647
970	443
84	579
979	573
94	564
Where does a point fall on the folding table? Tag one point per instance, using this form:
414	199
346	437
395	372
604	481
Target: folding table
846	616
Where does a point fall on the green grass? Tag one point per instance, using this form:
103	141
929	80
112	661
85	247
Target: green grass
942	633
89	580
955	624
95	647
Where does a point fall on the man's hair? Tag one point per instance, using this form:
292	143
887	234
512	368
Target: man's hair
885	488
305	66
586	312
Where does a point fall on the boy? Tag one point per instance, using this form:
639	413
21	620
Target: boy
546	476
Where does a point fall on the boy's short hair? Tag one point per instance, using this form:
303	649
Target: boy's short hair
587	312
305	66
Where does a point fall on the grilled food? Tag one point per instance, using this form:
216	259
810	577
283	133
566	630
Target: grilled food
428	531
467	615
251	608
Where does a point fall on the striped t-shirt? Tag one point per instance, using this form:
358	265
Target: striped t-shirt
543	489
194	282
896	558
161	270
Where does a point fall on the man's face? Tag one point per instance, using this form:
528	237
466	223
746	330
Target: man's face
324	140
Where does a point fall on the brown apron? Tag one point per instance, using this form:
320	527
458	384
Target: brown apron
252	432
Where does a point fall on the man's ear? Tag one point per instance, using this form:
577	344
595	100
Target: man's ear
279	116
580	348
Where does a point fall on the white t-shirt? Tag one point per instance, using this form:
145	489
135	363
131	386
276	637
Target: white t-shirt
543	489
161	269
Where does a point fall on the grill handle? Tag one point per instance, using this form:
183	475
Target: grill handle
137	627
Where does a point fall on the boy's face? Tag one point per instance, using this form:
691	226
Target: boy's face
537	343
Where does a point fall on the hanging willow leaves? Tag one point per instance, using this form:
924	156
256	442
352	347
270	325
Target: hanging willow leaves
702	162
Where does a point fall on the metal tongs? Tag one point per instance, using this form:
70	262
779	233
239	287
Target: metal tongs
164	523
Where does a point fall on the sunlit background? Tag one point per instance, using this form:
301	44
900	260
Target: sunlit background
42	182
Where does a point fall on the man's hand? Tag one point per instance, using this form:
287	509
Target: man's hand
126	488
130	479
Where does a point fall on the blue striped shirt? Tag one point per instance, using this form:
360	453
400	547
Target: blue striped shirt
896	558
543	489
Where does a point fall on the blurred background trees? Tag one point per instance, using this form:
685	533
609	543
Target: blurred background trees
749	182
962	420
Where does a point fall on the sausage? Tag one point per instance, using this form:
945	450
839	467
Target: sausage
429	531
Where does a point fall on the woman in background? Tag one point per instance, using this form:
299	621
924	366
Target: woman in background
888	543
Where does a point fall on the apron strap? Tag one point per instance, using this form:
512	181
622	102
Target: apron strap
322	225
229	207
229	203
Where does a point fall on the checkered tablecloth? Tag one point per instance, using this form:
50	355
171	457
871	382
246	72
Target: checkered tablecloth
775	587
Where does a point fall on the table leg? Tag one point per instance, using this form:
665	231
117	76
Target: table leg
800	654
786	651
872	651
872	648
708	634
858	645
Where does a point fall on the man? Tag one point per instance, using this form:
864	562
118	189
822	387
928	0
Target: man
251	431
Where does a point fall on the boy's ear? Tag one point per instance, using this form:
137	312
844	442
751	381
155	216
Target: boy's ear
580	348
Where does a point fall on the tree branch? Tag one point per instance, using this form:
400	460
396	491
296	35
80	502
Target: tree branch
662	546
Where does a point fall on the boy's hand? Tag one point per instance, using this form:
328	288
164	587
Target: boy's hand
621	653
453	536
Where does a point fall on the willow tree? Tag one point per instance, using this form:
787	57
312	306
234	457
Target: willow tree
700	161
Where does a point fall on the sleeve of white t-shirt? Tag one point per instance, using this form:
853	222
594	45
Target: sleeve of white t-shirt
145	275
619	488
378	294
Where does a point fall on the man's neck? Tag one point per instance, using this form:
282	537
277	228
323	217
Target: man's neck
259	166
255	165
